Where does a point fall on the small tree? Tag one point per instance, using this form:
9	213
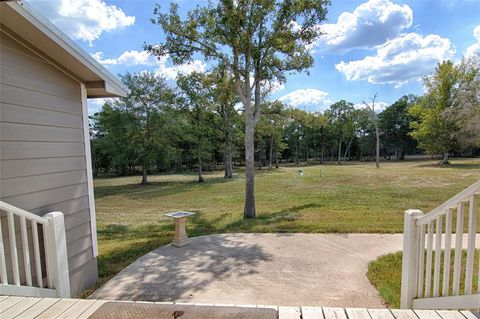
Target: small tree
222	91
394	124
269	127
259	41
132	126
195	101
465	108
435	132
374	119
341	117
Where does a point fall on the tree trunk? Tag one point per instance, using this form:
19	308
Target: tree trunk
297	150
377	152
144	174
270	157
339	158
322	153
445	158
249	210
200	177
228	145
347	149
228	160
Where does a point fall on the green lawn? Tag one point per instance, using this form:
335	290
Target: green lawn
353	197
385	274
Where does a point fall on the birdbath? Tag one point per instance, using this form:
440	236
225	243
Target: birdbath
180	238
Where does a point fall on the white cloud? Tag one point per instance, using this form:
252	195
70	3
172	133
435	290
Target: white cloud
379	106
129	58
171	72
474	49
370	24
95	105
399	60
133	57
307	97
84	19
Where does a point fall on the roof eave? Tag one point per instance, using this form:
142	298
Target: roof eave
112	85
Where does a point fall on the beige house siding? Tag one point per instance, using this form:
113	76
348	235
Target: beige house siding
42	154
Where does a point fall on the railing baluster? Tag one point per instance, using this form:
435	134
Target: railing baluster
26	251
448	246
36	253
421	260
428	273
3	264
457	264
13	248
472	225
438	255
47	257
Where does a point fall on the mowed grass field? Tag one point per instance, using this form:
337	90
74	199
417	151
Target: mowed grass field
352	198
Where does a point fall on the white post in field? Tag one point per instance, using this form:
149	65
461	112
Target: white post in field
57	254
410	258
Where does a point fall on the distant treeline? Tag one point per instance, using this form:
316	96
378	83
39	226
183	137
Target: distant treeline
198	124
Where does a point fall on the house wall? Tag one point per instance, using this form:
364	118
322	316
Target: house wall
43	164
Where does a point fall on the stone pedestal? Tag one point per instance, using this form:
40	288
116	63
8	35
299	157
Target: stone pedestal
180	237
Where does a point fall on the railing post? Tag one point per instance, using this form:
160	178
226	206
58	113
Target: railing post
410	265
57	254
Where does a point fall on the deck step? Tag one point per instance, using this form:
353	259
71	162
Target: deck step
21	307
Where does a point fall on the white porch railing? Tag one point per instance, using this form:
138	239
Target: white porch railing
41	270
421	290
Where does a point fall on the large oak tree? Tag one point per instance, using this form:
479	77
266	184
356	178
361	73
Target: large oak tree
258	40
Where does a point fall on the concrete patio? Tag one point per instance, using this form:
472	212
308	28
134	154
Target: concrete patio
277	269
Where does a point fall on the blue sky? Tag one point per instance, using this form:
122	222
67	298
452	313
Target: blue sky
375	46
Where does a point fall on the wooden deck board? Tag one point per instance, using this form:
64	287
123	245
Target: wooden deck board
404	314
450	314
289	313
357	313
468	315
29	308
334	313
6	303
57	309
427	314
91	309
38	308
380	314
76	309
19	307
312	313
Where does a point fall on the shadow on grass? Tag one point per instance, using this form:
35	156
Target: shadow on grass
282	220
160	188
454	165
